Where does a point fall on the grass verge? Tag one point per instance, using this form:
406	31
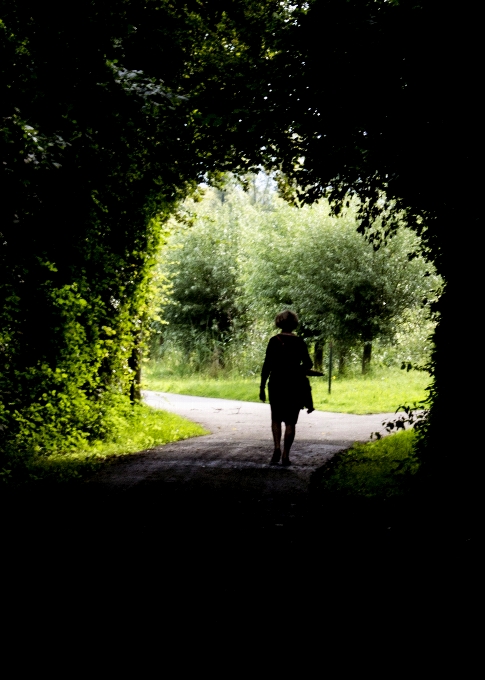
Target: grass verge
144	429
381	469
381	391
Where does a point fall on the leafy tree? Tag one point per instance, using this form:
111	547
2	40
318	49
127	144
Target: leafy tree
383	97
201	263
101	137
350	292
207	314
344	289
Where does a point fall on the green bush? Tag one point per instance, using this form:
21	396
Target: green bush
131	429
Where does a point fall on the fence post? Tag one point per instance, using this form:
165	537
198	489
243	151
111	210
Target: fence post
330	367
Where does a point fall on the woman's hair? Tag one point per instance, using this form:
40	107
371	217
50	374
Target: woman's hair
287	321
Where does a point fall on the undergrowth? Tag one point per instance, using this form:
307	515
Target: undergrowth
143	428
382	469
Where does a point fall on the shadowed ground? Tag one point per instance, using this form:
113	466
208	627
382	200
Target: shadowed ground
209	516
218	492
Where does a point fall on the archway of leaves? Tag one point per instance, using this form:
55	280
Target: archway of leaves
112	111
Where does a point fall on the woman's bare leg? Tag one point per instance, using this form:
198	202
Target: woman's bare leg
288	441
276	428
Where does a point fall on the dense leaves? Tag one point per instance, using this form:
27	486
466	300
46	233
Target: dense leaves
247	255
101	136
201	265
383	96
342	286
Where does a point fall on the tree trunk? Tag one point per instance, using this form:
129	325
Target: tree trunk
318	355
366	356
135	364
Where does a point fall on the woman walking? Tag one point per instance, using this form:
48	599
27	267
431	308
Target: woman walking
286	364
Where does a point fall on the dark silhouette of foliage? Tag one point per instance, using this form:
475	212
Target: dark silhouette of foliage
106	125
383	97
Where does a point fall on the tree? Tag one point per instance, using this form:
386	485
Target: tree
201	264
344	289
101	138
350	292
382	97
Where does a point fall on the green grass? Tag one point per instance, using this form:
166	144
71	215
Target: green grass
381	469
144	429
382	391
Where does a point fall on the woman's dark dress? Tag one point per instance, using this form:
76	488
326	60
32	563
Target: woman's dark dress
286	363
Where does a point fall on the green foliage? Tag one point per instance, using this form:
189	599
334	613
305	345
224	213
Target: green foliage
382	469
393	124
69	352
132	429
100	141
98	135
247	255
201	264
331	275
380	391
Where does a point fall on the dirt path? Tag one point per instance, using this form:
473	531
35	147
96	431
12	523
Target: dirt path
209	497
233	460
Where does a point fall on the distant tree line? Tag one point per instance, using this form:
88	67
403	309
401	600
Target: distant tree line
248	254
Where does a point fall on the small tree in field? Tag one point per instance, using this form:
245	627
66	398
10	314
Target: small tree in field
344	289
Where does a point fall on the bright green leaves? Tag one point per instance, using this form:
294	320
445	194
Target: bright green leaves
247	255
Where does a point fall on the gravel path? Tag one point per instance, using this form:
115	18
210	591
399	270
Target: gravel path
234	458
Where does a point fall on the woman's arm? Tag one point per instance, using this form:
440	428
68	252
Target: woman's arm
265	371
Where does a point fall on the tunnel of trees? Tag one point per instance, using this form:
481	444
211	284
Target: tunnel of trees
113	112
